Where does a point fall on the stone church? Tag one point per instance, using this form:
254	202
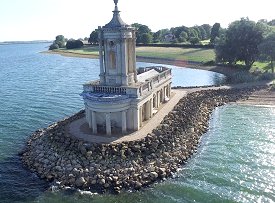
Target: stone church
124	97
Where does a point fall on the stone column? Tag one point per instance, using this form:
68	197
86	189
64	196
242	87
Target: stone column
164	94
170	89
102	72
157	100
124	62
136	118
140	115
123	122
147	110
108	124
151	108
133	51
88	116
158	96
94	124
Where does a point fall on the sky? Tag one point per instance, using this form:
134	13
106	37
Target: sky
24	20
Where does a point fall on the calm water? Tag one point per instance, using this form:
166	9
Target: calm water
235	162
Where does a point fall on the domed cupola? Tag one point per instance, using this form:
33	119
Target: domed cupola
116	21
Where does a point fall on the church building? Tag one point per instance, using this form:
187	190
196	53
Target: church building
124	97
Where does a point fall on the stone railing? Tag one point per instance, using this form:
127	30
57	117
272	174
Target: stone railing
132	91
104	89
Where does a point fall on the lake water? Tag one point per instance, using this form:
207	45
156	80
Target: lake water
235	162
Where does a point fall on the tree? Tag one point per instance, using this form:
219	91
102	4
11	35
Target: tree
73	44
267	49
156	36
146	38
271	23
245	35
159	36
240	42
266	29
214	32
54	46
192	33
202	33
178	30
207	29
142	29
93	37
225	52
183	36
60	40
198	31
194	40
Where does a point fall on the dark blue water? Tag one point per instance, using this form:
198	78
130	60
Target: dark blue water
234	164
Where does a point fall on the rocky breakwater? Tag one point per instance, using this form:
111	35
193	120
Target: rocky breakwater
56	156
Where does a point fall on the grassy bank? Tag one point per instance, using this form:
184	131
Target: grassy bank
187	54
175	53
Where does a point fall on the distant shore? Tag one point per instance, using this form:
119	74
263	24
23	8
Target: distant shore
180	63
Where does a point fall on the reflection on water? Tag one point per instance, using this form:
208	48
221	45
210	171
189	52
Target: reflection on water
187	77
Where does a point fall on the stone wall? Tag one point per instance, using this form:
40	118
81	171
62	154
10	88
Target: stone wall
57	157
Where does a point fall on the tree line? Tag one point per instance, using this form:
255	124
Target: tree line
62	42
181	34
243	41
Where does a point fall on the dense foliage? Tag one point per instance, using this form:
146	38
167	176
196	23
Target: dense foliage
144	34
244	41
59	42
93	37
240	43
53	46
73	44
267	50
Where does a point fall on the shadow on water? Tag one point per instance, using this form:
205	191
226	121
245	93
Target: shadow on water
18	184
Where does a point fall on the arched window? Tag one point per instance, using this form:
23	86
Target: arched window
112	60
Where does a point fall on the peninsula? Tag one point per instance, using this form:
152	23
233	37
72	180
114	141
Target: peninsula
135	129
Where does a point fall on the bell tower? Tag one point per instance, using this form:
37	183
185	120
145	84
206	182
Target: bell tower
117	42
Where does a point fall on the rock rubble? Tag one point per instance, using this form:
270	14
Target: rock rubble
58	157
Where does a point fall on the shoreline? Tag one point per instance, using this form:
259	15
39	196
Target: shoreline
57	157
180	63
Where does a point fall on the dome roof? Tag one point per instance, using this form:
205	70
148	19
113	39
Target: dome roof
116	21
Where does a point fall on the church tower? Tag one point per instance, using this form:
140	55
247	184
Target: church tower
117	42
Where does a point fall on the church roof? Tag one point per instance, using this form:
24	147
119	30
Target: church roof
147	75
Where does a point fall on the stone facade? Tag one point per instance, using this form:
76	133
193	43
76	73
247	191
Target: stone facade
121	100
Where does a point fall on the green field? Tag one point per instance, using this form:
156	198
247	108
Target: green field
86	50
177	53
190	54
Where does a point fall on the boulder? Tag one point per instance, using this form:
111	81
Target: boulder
80	182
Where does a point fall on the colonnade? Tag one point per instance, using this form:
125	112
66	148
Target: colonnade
142	112
146	110
92	121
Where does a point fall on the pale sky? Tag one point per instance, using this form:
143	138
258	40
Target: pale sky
44	19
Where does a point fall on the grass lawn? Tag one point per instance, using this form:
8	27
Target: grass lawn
86	50
189	54
260	65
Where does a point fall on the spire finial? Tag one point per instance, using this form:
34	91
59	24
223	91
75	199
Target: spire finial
116	1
